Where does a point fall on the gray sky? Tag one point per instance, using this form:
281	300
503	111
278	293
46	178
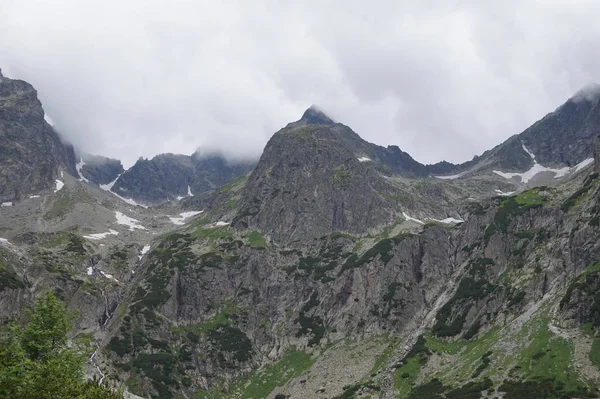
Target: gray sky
440	79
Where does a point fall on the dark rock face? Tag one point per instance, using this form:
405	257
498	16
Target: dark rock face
567	135
101	170
309	183
156	180
31	152
169	176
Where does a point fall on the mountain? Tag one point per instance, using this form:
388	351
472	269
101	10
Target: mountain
32	155
169	177
98	169
332	268
558	144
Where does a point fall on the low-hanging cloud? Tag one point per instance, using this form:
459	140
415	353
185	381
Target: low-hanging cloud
440	79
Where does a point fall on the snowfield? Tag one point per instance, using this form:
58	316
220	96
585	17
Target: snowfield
504	194
447	220
180	221
78	166
59	185
412	219
100	236
129	222
537	168
364	159
451	177
108	276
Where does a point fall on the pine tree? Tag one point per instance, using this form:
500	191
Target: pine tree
36	360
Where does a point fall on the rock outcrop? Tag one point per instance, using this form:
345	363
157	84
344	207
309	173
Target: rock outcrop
32	155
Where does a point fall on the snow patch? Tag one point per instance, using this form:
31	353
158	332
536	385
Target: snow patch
130	201
537	168
183	216
527	151
4	241
190	191
143	252
79	165
219	224
583	164
59	185
504	194
90	271
531	173
100	236
34	196
109	186
364	159
109	276
412	219
129	222
7	204
451	177
447	220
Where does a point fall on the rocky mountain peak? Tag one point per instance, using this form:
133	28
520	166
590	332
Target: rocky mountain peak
589	92
315	116
32	155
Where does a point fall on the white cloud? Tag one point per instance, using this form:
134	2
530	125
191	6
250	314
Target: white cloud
130	79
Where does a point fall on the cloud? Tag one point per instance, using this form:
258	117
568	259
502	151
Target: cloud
440	79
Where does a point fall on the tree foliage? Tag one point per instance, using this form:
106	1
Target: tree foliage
37	360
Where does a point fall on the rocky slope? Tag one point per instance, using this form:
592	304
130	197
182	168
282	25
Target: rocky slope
32	154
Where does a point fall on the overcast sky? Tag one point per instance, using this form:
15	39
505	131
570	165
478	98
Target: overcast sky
440	79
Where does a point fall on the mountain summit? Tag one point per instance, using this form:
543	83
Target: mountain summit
315	116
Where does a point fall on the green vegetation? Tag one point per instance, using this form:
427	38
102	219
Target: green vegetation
257	240
434	389
410	367
63	202
451	317
9	278
340	176
234	186
264	381
588	283
36	360
212	233
515	206
384	357
547	388
311	324
231	345
382	249
578	196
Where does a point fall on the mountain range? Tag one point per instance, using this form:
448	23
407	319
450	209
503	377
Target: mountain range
331	267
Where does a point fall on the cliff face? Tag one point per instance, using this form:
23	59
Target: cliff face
31	153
